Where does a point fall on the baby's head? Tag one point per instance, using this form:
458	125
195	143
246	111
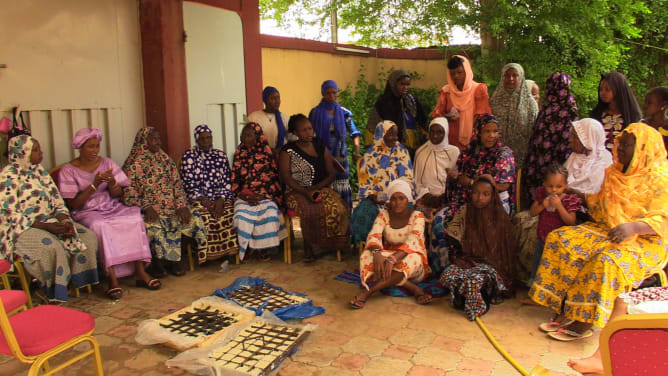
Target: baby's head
556	179
482	192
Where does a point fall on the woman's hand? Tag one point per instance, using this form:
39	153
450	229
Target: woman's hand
219	205
108	177
184	215
150	215
314	195
622	232
378	263
61	229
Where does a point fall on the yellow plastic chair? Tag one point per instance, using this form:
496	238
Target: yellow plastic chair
20	274
643	324
52	323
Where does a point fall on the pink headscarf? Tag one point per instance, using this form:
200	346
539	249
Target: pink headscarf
84	135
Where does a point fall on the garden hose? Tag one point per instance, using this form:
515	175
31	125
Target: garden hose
536	371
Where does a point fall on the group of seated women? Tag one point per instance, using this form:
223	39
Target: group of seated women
601	218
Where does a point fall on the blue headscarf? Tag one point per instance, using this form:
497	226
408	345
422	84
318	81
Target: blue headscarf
201	129
280	139
319	116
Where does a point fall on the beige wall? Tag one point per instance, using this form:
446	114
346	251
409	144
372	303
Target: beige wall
73	64
298	74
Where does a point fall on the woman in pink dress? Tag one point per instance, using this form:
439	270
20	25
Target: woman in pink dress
91	186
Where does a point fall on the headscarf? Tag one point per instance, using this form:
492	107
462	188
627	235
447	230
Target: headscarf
255	169
382	164
280	139
154	180
84	135
319	116
587	171
516	110
28	194
392	105
431	162
202	128
400	186
549	138
639	193
463	100
489	236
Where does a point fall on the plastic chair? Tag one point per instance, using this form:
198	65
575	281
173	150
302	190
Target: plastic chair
38	334
635	345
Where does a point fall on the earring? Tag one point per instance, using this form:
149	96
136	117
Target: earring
665	113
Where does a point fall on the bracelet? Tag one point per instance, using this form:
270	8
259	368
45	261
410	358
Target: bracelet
93	186
392	259
375	250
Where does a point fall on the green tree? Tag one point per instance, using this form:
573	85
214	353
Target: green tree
582	38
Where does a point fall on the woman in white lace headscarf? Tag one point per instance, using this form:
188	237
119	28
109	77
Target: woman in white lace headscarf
586	165
432	162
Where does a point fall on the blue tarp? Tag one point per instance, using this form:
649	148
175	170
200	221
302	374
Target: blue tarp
293	312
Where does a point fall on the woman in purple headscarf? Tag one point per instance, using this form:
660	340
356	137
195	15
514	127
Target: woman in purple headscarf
92	186
332	124
273	122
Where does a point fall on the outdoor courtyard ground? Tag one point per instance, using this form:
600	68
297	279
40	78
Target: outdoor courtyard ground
390	336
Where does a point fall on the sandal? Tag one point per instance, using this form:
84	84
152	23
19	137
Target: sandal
566	335
357	303
153	284
175	268
263	255
156	269
114	293
553	326
423	299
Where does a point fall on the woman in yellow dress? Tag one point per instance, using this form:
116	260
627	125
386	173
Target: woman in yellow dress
584	268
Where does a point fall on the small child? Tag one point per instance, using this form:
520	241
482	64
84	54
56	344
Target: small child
553	207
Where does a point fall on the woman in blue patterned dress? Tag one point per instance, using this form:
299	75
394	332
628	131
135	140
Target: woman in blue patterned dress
205	172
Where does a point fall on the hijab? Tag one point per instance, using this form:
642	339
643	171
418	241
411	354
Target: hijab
392	105
254	168
400	186
516	111
319	116
382	164
639	193
464	101
28	194
280	139
431	162
489	236
587	171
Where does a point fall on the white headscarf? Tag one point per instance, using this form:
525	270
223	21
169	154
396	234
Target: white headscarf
586	171
402	186
431	161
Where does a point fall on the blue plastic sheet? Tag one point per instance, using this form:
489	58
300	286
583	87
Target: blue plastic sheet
292	312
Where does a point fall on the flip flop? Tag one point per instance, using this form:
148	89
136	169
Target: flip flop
151	285
355	303
175	268
114	293
427	299
553	326
566	335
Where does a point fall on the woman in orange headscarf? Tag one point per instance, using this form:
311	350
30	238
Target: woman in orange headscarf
584	268
461	100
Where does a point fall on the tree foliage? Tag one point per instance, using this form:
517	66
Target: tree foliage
582	38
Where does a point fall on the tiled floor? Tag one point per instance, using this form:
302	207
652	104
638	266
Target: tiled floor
390	336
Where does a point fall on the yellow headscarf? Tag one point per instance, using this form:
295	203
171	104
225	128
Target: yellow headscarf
641	192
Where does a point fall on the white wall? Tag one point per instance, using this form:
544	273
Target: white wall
73	64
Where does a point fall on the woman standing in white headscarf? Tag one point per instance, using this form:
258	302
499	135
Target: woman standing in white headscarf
586	165
433	160
395	253
514	107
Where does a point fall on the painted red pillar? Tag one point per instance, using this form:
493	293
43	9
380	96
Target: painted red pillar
250	21
164	67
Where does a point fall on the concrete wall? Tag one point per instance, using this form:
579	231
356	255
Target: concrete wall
298	70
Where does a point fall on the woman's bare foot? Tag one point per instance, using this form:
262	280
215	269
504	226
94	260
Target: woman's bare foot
588	366
578	327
